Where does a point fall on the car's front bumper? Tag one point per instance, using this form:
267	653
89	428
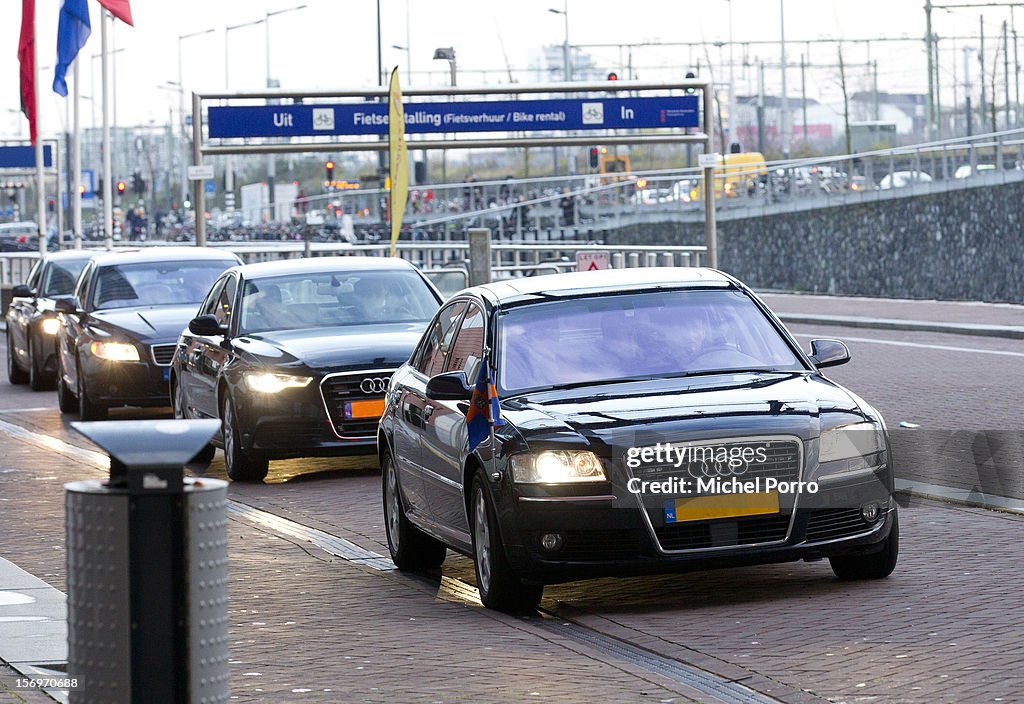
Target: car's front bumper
294	423
109	383
605	537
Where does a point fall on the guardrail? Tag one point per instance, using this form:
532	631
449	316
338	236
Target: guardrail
508	259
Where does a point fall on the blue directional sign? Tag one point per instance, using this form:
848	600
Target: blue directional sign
479	116
24	157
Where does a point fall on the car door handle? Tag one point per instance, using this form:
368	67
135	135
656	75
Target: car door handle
428	411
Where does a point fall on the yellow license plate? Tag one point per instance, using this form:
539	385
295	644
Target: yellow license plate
706	508
365	409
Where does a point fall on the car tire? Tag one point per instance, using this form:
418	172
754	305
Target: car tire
87	410
37	379
65	399
241	466
500	588
14	373
876	565
177	400
411	549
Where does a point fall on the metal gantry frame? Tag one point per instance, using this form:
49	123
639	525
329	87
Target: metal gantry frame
201	148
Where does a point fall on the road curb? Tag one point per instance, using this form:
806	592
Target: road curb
1004	331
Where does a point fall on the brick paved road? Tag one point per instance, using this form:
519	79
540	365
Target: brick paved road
946	627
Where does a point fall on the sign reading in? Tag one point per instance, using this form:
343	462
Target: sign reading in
471	116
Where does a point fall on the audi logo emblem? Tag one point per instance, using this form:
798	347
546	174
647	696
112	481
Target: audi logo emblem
715	468
373	385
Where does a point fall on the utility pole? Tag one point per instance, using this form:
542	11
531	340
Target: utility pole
931	67
967	91
784	117
875	85
1016	72
760	109
803	96
981	64
1006	72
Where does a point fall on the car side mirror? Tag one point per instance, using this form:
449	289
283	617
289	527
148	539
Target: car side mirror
207	326
829	353
67	305
451	386
22	291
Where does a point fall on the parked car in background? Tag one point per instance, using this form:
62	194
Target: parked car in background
595	376
295	357
32	322
19	237
966	171
902	179
120	328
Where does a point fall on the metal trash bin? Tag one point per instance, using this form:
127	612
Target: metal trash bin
147	570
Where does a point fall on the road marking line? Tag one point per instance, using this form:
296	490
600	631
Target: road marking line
339	547
922	345
25	410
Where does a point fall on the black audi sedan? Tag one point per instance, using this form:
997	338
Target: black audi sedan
294	357
32	323
119	329
628	422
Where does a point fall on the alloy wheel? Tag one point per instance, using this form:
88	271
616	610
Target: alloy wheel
482	538
393	508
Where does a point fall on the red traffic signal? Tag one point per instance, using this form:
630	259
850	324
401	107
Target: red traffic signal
613	76
595	157
121	186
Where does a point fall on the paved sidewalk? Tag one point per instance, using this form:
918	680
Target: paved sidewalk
940	313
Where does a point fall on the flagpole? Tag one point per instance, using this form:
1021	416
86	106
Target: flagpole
76	164
108	208
40	174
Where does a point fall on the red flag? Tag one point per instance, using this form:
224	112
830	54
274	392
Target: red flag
119	9
26	56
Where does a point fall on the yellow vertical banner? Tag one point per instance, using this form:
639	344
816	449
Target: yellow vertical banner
399	158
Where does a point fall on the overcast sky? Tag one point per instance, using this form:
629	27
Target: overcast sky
333	44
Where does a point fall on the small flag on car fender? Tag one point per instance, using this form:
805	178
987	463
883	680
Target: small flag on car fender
484	408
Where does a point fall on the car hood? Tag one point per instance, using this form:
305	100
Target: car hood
673	410
335	348
152	323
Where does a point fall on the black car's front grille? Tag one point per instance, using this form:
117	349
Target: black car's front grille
163	354
833	523
782	462
723	533
340	389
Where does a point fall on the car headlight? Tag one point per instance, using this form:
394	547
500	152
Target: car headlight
49	326
270	383
115	351
557	467
850	441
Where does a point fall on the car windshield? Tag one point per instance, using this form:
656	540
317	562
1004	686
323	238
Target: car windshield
155	283
60	276
327	299
636	335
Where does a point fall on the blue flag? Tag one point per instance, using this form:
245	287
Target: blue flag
72	32
484	408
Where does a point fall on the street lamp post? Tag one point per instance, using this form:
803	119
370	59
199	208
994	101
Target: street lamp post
446	53
229	172
566	68
181	113
271	158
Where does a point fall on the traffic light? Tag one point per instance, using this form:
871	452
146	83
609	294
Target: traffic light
329	167
691	74
138	184
121	188
595	157
613	76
